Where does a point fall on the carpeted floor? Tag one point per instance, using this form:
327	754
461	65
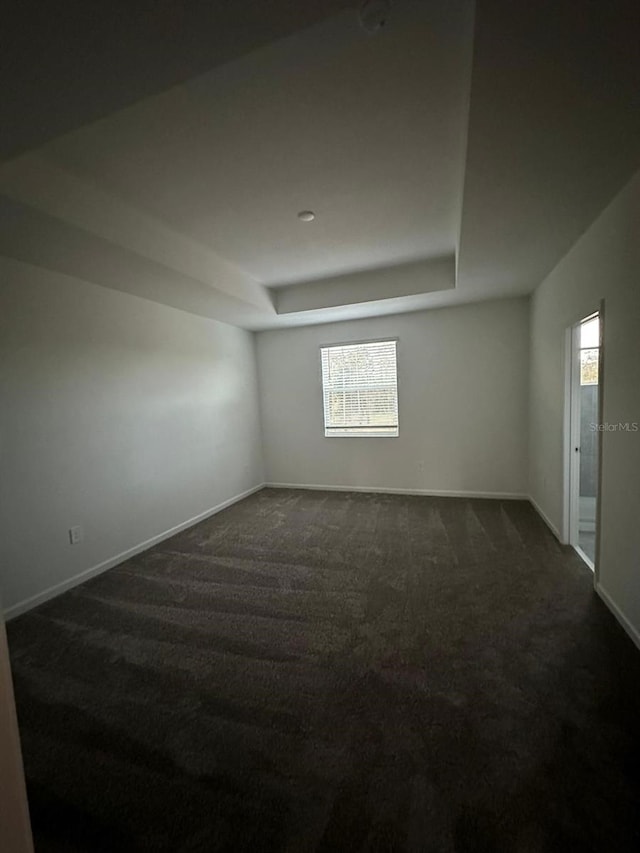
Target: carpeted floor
314	671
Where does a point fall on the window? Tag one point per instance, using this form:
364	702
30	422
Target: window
360	389
589	351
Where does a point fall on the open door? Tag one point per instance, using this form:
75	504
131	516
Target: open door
584	436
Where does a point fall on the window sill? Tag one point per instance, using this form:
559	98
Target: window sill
361	435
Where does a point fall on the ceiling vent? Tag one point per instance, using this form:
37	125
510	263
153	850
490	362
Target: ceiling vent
373	15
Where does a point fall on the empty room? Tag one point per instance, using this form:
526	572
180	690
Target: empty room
320	426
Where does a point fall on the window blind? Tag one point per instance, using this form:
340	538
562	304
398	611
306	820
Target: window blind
360	389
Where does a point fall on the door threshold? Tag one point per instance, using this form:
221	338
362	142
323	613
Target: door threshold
585	557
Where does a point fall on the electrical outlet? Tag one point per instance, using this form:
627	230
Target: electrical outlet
76	534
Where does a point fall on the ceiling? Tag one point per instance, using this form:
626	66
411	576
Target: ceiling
71	62
454	156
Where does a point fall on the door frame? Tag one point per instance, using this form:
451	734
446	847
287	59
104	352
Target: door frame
571	459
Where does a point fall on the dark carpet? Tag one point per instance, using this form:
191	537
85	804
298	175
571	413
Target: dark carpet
314	671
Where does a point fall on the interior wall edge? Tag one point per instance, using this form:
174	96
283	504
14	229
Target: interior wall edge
15	828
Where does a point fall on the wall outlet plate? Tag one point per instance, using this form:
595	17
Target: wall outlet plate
76	534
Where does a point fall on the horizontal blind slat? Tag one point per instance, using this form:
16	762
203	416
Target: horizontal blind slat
360	386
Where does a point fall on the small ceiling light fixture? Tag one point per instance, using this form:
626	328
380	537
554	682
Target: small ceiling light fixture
306	215
373	15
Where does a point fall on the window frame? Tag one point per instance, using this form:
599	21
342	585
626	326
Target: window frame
363	434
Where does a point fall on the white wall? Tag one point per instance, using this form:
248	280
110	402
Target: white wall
604	263
463	403
118	414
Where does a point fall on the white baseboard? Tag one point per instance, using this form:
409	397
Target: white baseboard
622	619
382	490
69	583
546	519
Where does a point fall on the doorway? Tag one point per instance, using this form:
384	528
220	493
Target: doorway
584	436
